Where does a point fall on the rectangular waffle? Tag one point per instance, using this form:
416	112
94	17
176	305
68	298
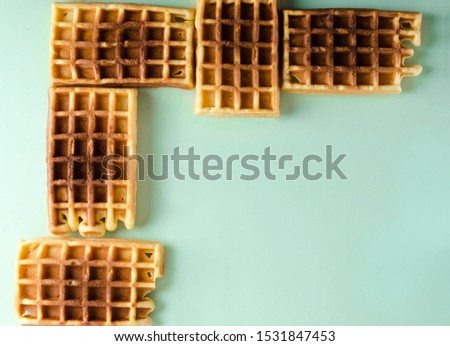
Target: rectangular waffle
122	45
91	140
348	50
237	58
70	281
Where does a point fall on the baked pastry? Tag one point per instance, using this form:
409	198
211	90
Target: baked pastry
122	45
68	281
91	141
340	51
237	58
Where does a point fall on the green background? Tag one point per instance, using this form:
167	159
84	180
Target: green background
371	250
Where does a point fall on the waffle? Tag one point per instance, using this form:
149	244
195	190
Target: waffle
69	281
87	192
348	51
122	45
237	58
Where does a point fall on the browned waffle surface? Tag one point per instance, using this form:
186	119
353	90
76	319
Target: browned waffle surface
237	58
122	45
91	141
348	51
70	281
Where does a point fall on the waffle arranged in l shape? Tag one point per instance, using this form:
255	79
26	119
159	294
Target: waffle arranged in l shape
237	58
69	281
348	51
91	142
122	45
92	129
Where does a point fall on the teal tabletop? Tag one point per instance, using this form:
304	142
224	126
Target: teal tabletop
360	236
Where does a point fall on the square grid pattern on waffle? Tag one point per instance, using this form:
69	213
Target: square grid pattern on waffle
122	45
86	282
348	51
91	135
237	58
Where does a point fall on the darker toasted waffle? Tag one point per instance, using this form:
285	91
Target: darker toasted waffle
348	51
91	140
237	58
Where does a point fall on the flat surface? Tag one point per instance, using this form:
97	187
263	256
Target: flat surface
370	250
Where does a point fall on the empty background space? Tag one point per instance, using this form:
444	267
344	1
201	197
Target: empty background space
371	250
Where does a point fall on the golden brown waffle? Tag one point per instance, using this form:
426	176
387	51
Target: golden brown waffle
87	192
348	51
122	45
70	281
237	58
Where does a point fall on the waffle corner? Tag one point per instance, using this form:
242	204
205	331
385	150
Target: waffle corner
122	45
